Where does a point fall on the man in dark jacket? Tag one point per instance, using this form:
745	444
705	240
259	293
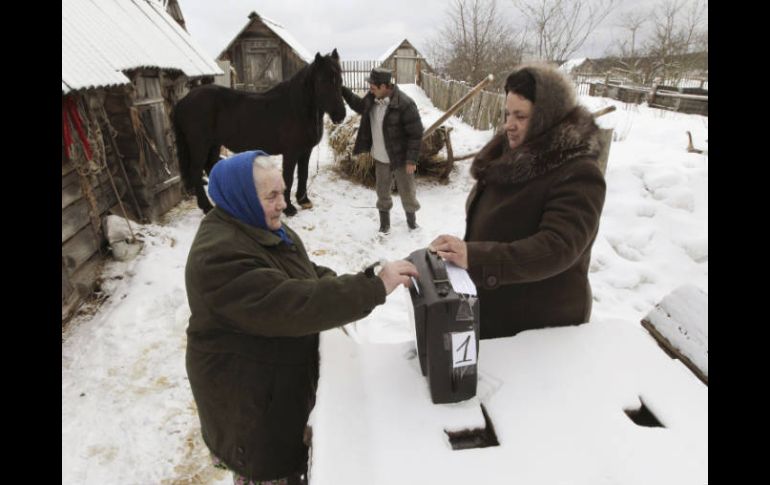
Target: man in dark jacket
533	215
391	129
257	304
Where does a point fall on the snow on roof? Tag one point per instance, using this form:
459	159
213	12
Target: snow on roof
100	39
278	30
571	64
284	34
390	51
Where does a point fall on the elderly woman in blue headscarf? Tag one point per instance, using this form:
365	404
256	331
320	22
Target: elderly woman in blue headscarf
258	304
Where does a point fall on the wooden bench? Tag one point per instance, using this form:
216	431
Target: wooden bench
679	323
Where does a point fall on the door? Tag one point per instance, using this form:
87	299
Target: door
405	66
261	64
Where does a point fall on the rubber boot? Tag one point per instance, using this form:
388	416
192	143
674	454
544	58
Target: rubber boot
411	220
384	221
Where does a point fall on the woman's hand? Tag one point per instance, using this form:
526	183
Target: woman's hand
396	273
452	249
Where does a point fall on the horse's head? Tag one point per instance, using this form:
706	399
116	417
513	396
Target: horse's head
327	85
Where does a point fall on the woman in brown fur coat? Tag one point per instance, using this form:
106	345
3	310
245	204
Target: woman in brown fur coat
533	215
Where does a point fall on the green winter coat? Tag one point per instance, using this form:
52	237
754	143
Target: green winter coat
252	344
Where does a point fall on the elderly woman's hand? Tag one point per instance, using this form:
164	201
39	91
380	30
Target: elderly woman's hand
452	249
396	273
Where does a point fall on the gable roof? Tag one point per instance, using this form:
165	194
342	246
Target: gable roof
103	38
389	52
278	30
404	43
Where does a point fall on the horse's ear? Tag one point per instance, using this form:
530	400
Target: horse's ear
317	56
335	56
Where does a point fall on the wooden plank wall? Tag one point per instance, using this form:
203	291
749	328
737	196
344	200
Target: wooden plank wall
155	182
80	240
679	101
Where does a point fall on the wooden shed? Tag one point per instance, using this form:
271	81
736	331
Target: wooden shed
125	63
263	54
405	61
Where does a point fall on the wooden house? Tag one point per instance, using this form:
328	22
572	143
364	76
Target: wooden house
264	54
405	61
125	63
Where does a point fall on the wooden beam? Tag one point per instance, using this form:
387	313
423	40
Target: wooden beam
459	104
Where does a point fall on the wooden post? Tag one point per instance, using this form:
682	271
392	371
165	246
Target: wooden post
653	92
603	111
459	104
450	156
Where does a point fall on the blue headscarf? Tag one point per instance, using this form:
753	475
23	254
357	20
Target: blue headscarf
231	187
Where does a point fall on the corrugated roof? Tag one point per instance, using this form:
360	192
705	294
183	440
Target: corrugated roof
278	30
102	38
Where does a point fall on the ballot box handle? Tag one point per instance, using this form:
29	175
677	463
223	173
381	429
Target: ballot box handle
438	271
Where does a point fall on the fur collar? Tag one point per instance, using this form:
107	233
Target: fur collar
574	137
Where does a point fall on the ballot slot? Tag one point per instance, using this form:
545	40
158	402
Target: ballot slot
474	438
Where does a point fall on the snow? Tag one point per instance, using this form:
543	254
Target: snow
389	51
682	319
555	396
571	64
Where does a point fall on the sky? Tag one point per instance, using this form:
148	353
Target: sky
353	27
555	396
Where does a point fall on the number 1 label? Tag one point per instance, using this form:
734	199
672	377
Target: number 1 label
463	349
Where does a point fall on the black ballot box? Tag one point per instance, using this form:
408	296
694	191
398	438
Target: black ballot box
447	330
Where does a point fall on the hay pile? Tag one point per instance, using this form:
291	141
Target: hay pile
360	168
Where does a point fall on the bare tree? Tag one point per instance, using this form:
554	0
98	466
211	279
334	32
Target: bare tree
475	41
629	63
559	28
632	21
680	28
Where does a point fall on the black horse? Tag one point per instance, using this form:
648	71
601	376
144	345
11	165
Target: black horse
286	120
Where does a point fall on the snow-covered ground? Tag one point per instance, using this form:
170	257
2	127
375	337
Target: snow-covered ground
128	416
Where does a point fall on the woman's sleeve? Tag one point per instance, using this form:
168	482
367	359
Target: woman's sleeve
266	301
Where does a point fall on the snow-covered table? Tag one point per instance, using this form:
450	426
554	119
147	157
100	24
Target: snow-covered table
556	398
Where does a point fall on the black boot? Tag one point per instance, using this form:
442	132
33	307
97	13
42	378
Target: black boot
411	220
384	221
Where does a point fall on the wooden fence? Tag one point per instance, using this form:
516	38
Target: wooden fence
682	100
354	74
486	109
483	112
